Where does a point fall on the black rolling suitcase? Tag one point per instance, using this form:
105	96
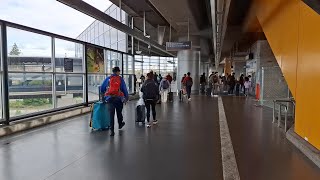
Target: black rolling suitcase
237	89
170	96
181	95
140	113
208	91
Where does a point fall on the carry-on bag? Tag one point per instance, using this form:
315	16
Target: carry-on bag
237	89
140	110
100	115
208	91
170	96
140	113
181	95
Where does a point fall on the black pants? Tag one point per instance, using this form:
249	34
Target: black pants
115	105
231	89
188	88
151	103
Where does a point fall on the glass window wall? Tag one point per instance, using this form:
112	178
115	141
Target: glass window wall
162	65
47	73
106	36
1	74
69	82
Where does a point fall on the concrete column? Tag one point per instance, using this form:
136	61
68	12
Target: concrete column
189	61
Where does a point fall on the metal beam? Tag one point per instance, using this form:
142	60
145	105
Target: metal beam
86	8
5	76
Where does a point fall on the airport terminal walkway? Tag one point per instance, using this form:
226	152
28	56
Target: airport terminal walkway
185	145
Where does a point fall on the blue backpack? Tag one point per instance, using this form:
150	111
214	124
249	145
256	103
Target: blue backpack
165	84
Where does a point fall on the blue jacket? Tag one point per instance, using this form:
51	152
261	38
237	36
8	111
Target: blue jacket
123	88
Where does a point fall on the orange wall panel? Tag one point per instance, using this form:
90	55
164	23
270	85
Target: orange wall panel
308	80
292	30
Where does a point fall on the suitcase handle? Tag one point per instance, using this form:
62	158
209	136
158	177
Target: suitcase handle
100	95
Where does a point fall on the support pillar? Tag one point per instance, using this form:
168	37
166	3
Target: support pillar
189	61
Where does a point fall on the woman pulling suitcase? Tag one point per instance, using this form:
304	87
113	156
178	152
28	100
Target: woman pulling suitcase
150	91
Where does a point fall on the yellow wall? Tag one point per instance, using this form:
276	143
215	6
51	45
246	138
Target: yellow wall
293	32
227	66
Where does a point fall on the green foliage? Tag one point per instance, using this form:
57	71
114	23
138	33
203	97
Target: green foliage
35	102
18	112
16	104
32	102
40	82
15	50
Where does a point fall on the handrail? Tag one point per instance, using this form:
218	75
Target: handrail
279	102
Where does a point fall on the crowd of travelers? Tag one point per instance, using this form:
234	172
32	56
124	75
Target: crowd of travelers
228	83
155	89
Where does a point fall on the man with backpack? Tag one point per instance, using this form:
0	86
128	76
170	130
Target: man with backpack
188	82
164	89
150	96
116	94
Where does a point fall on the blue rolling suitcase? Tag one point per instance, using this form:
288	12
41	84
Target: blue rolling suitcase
100	115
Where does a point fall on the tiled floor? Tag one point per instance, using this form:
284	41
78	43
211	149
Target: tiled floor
185	145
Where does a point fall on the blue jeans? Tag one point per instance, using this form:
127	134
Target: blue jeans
115	105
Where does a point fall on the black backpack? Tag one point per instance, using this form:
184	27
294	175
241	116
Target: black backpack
150	90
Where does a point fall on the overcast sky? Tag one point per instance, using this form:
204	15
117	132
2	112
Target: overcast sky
48	15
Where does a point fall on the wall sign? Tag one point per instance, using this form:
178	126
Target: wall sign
68	65
177	46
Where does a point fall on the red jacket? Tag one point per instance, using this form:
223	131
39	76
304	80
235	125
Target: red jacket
169	78
186	79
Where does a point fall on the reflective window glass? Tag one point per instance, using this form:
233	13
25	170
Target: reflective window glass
69	89
29	93
94	81
67	51
28	51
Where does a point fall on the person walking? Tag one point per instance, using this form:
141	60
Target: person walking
232	83
188	82
160	78
150	92
169	78
203	82
155	77
142	78
215	80
115	90
164	89
135	83
241	82
182	80
247	86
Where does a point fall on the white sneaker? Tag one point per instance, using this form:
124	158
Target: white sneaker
148	125
189	99
155	121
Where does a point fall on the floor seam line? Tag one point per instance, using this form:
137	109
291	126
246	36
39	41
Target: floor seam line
229	163
68	165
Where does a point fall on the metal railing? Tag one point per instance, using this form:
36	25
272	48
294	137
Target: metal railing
280	102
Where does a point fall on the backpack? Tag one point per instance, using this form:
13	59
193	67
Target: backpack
114	86
165	84
150	90
189	82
